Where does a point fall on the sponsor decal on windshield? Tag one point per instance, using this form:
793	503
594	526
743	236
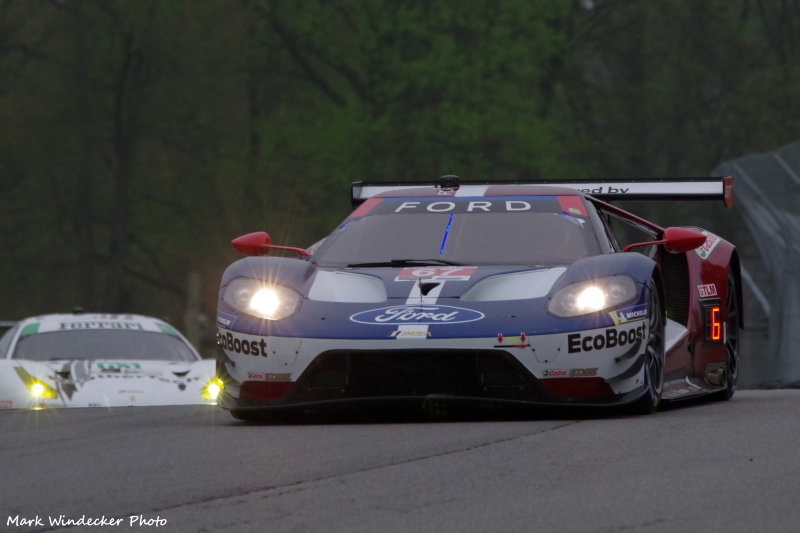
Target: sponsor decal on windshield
365	208
473	206
101	324
30	329
399	315
167	329
495	204
572	205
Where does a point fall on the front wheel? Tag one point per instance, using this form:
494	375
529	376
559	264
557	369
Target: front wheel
653	356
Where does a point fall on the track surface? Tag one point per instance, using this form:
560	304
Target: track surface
710	466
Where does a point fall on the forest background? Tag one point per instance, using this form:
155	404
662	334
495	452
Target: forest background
138	137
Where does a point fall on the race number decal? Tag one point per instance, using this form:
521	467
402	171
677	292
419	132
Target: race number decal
432	273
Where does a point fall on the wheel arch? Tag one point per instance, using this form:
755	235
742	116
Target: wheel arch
659	281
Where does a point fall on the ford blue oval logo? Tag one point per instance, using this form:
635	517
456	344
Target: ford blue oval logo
399	315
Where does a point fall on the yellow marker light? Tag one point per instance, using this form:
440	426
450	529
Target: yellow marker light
37	388
40	390
212	390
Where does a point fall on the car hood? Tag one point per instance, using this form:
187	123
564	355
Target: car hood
378	284
449	301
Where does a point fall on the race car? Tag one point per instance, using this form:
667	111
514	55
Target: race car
492	293
101	360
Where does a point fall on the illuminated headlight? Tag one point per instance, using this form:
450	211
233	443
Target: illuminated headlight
37	388
212	389
264	300
42	390
592	296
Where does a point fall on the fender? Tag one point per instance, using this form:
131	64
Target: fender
714	267
294	273
636	265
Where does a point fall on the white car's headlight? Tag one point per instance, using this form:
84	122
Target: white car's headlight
262	299
592	296
212	389
37	388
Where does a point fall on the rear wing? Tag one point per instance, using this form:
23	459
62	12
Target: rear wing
712	188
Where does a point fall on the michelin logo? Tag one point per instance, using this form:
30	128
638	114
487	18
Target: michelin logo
629	314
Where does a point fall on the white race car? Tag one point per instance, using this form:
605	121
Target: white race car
100	360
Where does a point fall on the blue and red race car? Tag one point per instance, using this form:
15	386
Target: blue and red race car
489	293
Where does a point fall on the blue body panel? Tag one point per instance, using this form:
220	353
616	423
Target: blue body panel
471	319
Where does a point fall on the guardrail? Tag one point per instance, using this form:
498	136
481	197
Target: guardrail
768	197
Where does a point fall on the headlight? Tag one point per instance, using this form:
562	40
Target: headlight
592	296
37	388
262	299
212	389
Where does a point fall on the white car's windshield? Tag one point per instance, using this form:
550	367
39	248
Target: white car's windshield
98	344
540	230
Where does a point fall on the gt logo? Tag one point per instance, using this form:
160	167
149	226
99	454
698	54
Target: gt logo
611	338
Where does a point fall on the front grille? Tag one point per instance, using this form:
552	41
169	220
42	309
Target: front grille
349	374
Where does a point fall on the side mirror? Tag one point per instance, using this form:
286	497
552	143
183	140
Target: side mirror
676	240
260	243
682	240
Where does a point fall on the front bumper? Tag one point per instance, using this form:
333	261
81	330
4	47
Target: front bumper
540	370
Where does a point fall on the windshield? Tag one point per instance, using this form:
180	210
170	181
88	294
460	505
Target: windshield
539	230
103	344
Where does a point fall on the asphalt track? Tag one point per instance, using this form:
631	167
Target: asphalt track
710	466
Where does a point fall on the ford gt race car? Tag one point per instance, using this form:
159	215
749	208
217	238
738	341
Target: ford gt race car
91	360
491	293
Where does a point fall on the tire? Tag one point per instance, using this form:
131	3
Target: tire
654	355
733	309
